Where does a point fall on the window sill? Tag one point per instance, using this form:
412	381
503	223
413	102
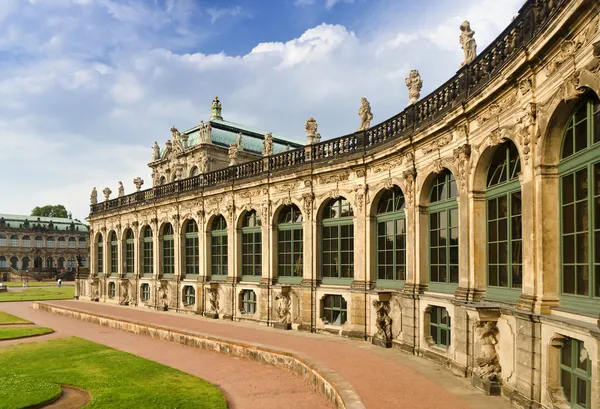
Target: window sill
218	278
289	280
337	281
392	284
449	288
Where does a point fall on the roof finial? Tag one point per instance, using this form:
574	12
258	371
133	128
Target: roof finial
216	109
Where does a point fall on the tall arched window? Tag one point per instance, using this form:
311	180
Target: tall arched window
218	248
25	241
50	242
82	242
61	243
38	263
443	232
579	173
192	266
61	263
49	262
2	262
100	255
25	263
37	242
114	253
148	256
251	245
391	237
337	240
72	243
168	251
289	243
14	262
129	252
14	241
504	237
2	240
194	171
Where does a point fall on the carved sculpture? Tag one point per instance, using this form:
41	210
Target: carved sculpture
125	293
204	160
557	397
233	154
284	308
216	109
365	114
468	43
214	300
267	148
121	189
138	182
94	196
311	131
107	193
488	366
163	295
238	142
156	151
414	83
383	322
94	290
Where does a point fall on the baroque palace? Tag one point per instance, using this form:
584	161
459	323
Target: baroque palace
465	229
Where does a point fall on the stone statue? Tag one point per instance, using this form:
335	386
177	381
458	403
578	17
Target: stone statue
284	309
238	141
138	182
175	133
365	114
205	130
488	366
94	196
467	43
233	154
267	149
214	300
107	193
383	322
204	159
216	109
94	290
121	189
125	296
156	153
311	131
557	397
414	83
163	295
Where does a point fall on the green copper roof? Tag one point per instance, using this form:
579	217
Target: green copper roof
15	221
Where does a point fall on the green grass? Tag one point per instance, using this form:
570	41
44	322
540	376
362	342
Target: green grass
37	284
35	294
31	371
11	319
22	332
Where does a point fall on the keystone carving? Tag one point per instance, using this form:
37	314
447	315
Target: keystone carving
488	366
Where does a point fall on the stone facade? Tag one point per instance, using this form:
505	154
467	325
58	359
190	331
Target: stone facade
398	228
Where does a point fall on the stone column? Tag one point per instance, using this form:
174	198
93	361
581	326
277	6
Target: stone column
203	259
178	243
472	277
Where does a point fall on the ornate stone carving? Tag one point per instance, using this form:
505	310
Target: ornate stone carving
360	172
488	366
387	165
213	298
383	322
215	109
524	128
125	298
437	144
138	182
414	83
267	148
409	177
204	162
107	193
336	177
233	154
265	211
467	42
94	290
121	189
570	47
388	184
163	295
334	193
253	193
284	307
438	165
525	85
557	398
360	193
311	131
307	200
497	136
155	151
94	196
286	187
462	154
365	114
496	108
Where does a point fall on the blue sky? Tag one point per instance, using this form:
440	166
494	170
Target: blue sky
87	86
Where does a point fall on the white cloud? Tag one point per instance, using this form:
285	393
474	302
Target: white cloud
217	13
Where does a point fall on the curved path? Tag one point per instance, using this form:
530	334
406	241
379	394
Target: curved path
246	384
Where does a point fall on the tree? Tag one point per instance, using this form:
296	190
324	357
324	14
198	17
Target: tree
50	211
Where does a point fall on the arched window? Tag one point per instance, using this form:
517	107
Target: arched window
145	292
251	245
38	263
189	295
337	240
50	242
129	252
163	180
289	242
504	237
148	256
82	242
111	290
218	247
2	240
168	250
579	173
391	237
443	232
192	266
194	171
14	262
61	263
25	241
24	263
49	262
248	302
100	255
14	241
2	262
113	253
37	242
61	243
72	243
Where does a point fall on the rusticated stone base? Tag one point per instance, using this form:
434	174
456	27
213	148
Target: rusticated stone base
354	335
304	327
488	387
381	342
282	325
213	315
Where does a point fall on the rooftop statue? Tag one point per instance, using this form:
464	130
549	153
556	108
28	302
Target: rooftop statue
365	114
238	142
156	151
267	149
216	109
121	189
311	131
138	182
467	43
107	193
94	196
414	83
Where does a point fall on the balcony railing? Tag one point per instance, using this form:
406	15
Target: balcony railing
468	81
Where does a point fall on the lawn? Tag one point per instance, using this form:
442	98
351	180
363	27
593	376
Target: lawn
11	319
31	372
37	284
35	294
22	332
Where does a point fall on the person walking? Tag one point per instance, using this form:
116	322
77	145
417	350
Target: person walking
59	282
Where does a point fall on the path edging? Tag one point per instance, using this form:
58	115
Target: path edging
328	382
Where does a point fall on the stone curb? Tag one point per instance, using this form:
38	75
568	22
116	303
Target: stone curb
328	382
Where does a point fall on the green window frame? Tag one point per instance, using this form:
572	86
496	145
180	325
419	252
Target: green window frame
114	253
61	243
290	244
576	374
82	243
26	241
129	253
50	242
337	242
335	310
72	243
251	246
189	295
100	255
112	288
443	234
2	240
168	251
145	292
37	242
579	181
248	302
14	241
218	249
391	239
504	225
148	256
439	326
192	263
